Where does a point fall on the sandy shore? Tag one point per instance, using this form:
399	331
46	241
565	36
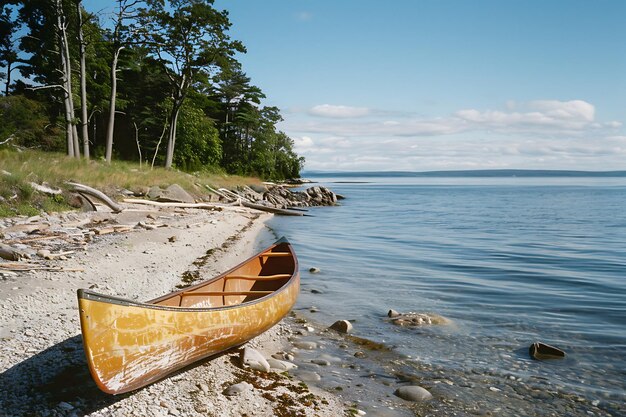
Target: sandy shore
42	366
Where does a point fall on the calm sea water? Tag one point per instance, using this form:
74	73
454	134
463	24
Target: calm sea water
509	261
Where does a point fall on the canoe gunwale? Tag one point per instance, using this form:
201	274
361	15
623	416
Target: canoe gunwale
104	298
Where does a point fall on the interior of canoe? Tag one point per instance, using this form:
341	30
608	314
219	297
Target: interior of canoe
256	278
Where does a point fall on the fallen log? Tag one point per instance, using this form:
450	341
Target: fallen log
83	189
273	210
204	206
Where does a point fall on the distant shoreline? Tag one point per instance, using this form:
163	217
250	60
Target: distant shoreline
481	173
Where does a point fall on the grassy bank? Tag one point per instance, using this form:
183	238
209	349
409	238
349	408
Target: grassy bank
19	169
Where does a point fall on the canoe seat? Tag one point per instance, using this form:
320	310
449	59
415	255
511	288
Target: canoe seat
259	277
224	293
275	254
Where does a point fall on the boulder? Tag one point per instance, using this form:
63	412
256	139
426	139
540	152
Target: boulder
175	194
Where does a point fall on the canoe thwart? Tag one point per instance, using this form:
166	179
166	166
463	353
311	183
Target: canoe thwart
259	277
224	293
274	254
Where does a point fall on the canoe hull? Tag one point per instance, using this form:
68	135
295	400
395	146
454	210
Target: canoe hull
129	345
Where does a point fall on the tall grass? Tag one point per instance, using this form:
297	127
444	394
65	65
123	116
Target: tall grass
55	169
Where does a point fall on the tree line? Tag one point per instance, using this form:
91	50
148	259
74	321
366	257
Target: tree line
150	80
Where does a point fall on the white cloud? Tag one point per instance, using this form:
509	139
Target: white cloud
541	117
574	109
302	142
339	112
541	134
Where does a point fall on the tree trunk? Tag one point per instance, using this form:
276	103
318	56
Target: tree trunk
6	88
171	141
111	124
68	80
83	82
65	70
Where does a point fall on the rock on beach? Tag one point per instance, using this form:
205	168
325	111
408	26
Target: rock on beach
413	393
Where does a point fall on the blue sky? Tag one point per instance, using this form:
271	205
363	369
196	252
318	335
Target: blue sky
441	84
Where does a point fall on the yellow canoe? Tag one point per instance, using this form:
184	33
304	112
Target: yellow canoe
131	344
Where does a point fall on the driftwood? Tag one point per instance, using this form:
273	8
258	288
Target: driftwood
36	239
10	253
114	229
273	210
37	267
204	206
233	196
87	204
219	193
83	189
45	189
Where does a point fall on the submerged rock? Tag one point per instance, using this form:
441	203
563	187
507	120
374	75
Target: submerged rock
416	319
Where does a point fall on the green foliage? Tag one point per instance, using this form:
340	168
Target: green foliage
25	120
198	143
180	59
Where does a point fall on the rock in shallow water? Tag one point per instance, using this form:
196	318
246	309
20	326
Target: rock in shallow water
342	326
305	345
309	376
413	393
417	319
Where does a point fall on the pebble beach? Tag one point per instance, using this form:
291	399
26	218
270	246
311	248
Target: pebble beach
43	371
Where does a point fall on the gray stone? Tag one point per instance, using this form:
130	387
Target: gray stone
253	359
173	194
65	406
392	313
281	365
413	393
314	270
309	376
320	362
154	192
342	326
305	345
238	388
